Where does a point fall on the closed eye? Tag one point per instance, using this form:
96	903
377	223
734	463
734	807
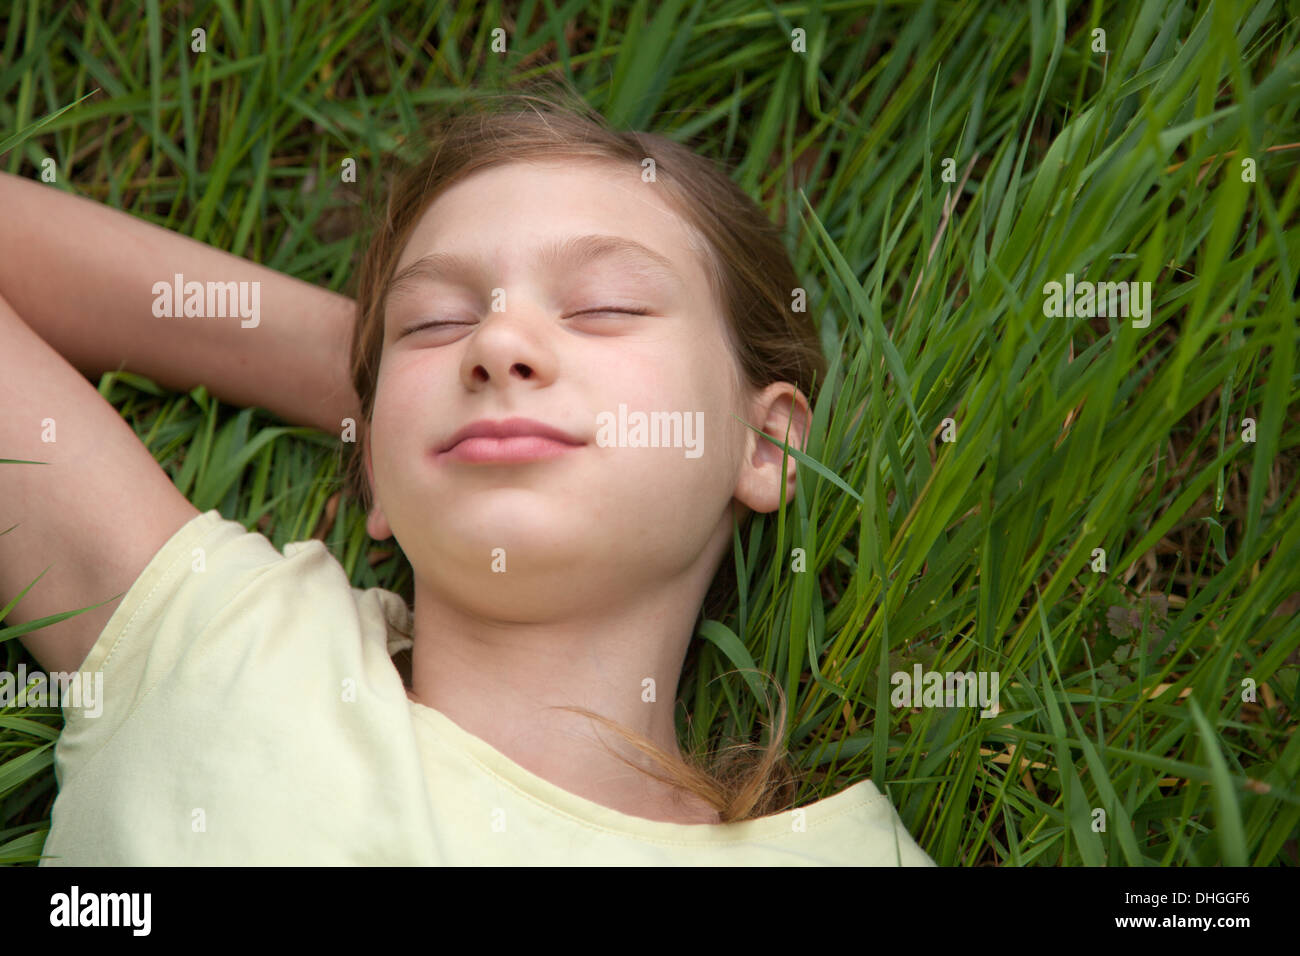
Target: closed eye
600	311
430	325
604	311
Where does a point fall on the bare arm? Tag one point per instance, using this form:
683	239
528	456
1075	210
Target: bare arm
82	275
85	521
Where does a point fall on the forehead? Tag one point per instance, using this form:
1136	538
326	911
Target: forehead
507	215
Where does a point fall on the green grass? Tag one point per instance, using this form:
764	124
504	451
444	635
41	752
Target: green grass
1121	690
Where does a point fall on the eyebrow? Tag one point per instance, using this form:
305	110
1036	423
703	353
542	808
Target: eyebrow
574	252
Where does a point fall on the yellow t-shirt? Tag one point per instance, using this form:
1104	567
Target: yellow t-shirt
252	714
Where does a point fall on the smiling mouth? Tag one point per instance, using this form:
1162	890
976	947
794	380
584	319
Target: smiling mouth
515	449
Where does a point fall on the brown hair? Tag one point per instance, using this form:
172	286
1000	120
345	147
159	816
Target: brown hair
752	279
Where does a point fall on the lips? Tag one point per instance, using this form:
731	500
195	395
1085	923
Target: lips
509	428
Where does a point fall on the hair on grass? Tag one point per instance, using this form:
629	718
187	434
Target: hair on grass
752	280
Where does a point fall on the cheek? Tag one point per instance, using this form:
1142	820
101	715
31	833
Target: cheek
695	379
404	386
398	423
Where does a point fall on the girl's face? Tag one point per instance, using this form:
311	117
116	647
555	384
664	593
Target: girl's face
536	267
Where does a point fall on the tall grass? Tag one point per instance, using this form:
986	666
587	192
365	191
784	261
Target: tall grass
934	166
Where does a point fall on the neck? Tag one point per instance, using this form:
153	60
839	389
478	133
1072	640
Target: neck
503	682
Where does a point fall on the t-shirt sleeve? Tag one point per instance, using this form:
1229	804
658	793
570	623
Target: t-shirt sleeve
215	607
901	848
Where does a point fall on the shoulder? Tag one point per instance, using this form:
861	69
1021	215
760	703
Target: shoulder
220	615
859	826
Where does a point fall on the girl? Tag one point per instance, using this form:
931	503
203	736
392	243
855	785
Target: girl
561	333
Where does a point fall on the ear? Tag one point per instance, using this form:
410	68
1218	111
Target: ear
776	408
376	523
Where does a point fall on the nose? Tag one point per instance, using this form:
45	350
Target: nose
511	344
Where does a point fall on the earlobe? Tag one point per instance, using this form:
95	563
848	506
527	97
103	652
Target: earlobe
377	525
